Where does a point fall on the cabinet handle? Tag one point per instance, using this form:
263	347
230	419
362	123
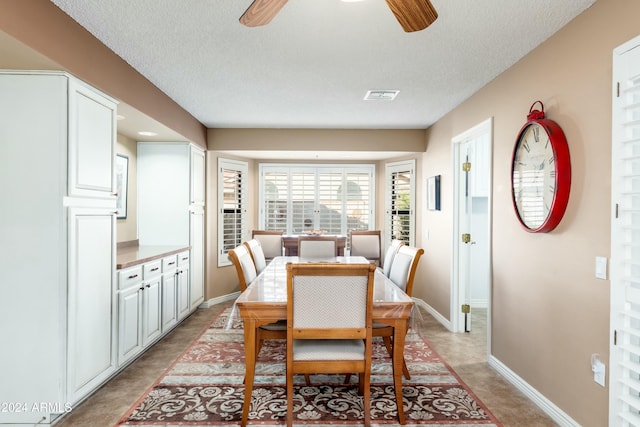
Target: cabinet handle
155	269
142	288
148	286
185	258
133	276
171	263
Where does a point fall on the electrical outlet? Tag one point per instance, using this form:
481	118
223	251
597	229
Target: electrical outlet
599	369
601	267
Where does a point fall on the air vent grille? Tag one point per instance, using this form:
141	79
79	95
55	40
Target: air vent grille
381	95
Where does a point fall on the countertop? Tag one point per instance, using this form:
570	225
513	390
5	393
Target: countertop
130	255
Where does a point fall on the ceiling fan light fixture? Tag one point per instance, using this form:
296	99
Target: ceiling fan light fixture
381	95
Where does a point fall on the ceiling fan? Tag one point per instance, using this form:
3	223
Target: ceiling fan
413	15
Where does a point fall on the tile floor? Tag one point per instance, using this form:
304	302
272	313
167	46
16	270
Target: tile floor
465	353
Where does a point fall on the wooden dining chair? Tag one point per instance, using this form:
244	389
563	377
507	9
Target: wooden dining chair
245	268
402	273
336	339
246	271
390	254
317	247
271	242
366	243
257	255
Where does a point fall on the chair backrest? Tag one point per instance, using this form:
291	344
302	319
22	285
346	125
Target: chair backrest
271	242
345	293
390	254
404	266
317	246
245	268
366	243
257	255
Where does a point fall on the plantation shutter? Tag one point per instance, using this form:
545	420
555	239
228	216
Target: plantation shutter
625	238
232	200
300	198
400	195
357	193
275	194
330	206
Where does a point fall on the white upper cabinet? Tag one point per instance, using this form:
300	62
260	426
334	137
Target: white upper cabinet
92	128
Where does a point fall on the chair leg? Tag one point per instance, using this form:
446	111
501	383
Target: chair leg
289	400
307	379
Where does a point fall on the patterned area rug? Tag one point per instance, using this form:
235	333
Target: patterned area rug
204	388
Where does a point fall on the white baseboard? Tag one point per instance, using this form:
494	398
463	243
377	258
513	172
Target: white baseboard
439	317
557	414
213	301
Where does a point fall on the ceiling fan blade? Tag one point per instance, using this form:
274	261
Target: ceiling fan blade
413	15
261	12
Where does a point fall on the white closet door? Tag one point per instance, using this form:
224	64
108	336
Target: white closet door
625	238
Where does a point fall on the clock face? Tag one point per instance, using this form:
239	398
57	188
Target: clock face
534	176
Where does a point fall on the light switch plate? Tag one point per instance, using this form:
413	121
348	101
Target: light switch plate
601	268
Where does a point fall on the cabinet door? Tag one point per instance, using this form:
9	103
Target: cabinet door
197	176
169	301
196	271
130	323
182	284
92	125
151	317
91	354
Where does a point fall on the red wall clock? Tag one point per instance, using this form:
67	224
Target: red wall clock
540	173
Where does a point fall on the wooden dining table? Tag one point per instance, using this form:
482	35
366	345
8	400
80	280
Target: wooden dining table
265	301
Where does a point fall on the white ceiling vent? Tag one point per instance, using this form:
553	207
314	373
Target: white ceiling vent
381	95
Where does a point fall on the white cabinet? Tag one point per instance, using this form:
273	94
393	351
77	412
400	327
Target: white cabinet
151	310
129	313
139	308
182	286
58	242
169	293
90	349
174	215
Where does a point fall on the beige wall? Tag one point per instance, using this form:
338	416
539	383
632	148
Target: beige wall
549	311
127	229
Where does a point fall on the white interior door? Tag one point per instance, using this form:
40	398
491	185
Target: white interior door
624	392
471	237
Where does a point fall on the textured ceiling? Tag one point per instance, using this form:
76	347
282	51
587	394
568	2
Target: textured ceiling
312	65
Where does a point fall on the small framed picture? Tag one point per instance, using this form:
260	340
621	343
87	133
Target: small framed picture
122	178
433	193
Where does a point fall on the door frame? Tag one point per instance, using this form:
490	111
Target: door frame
457	321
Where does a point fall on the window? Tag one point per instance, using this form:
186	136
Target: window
232	202
300	198
399	205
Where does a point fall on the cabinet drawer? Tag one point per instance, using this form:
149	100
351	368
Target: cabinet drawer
183	259
169	263
129	277
152	269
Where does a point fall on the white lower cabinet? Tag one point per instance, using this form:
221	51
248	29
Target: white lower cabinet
151	305
139	305
169	293
152	298
182	286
